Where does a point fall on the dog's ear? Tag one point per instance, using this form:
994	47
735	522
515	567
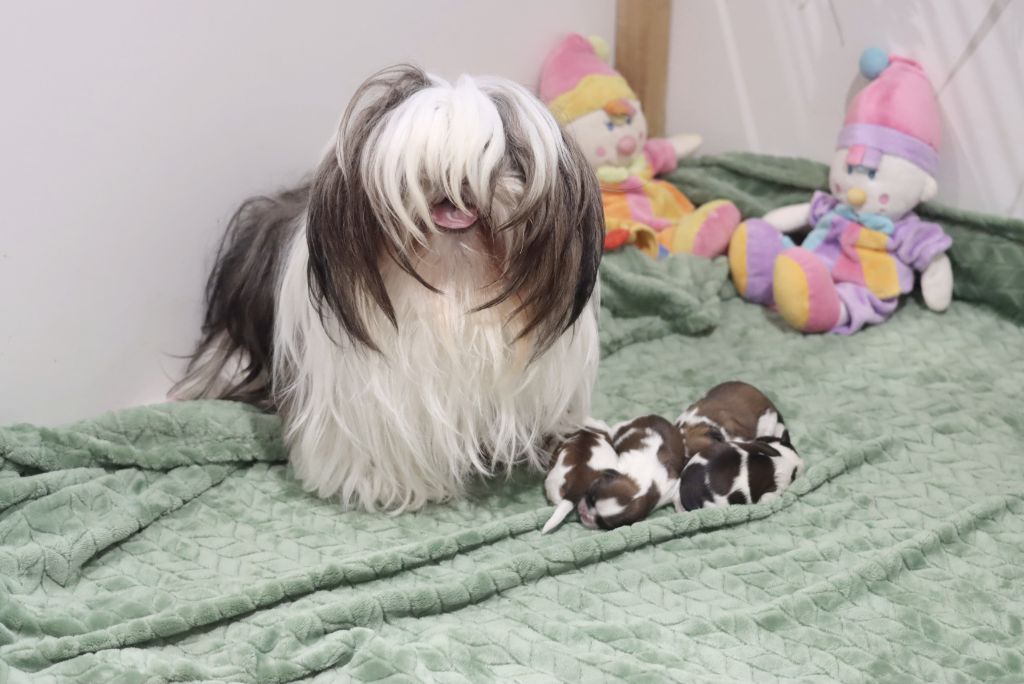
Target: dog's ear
559	225
344	254
345	237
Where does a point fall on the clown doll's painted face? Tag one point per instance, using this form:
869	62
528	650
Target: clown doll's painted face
893	189
612	136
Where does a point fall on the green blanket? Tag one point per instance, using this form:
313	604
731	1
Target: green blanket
171	543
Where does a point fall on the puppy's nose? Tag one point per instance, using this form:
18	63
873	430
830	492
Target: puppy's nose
856	197
626	145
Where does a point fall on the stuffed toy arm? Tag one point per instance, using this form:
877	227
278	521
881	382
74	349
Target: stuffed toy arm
923	246
790	218
664	154
937	283
685	145
661	155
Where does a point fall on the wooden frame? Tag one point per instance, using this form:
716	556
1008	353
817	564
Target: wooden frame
641	54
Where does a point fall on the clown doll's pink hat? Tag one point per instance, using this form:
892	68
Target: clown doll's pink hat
895	114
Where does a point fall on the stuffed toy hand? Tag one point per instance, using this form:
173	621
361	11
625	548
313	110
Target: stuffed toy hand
937	283
603	114
685	145
866	243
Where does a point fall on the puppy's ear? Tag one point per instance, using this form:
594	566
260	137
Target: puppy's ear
344	234
559	225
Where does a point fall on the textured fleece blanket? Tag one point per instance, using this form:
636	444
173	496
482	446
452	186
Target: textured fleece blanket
170	543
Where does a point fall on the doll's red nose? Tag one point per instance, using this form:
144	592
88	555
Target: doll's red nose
626	145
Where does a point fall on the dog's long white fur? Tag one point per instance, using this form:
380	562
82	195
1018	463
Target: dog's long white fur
451	394
450	384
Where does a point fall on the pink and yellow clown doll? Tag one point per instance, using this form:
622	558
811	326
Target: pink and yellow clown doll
866	243
603	114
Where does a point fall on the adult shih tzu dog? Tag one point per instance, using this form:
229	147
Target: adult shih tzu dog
422	310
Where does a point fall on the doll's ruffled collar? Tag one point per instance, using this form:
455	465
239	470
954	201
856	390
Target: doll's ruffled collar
617	175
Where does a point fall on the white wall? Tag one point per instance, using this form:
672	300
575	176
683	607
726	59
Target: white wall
129	131
774	76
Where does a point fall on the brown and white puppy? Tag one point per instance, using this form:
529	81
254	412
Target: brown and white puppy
738	449
730	411
615	477
651	457
579	461
728	473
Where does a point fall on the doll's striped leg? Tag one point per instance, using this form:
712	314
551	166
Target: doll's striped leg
812	302
804	292
754	246
704	232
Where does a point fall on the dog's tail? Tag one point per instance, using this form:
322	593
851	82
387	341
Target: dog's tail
233	358
562	510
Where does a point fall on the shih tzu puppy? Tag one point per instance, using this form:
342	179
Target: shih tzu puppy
423	309
615	476
738	449
577	463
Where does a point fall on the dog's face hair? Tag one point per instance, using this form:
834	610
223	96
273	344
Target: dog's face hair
409	144
344	232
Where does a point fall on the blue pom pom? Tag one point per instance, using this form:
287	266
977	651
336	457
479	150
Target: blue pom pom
873	62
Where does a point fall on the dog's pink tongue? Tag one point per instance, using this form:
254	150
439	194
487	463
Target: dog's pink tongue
447	215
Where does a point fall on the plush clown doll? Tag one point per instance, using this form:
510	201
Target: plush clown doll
866	243
603	114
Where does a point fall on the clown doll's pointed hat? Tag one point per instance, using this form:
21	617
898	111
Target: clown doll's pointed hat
896	113
576	79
